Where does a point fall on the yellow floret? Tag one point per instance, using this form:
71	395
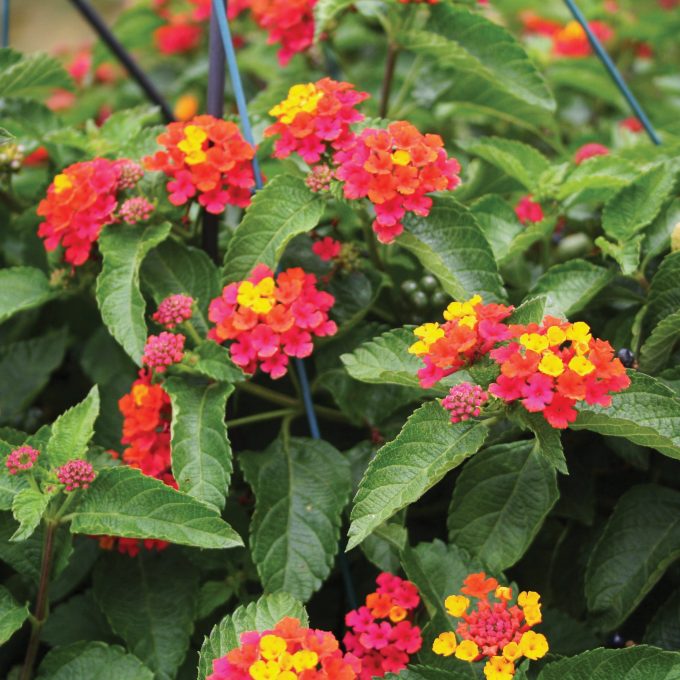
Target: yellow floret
305	659
272	646
467	650
551	365
401	157
498	668
581	365
556	336
445	644
535	342
61	183
511	651
301	99
456	605
533	645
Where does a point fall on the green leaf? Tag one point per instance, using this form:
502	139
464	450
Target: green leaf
637	204
78	619
627	254
415	672
118	296
571	286
531	310
517	160
451	245
633	663
10	485
301	487
30	75
214	361
492	69
123	502
201	452
150	602
28	507
548	439
640	541
664	628
261	615
22	288
285	208
86	660
498	222
12	615
664	294
500	502
658	347
27	366
647	413
596	174
325	11
658	234
72	431
174	268
427	447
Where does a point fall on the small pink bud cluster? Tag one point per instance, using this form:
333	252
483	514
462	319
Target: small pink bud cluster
76	474
130	174
174	310
465	401
136	209
21	459
319	178
163	350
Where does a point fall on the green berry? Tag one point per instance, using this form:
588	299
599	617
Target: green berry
409	286
428	283
419	299
440	299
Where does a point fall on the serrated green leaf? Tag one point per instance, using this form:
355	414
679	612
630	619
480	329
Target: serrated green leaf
627	254
123	502
601	172
28	507
427	447
499	223
500	501
85	660
31	74
22	288
73	429
301	487
325	11
118	296
658	347
284	208
664	628
492	69
548	439
451	245
657	235
261	615
571	286
664	292
201	451
647	413
517	160
78	619
12	615
531	310
640	541
162	592
27	366
637	204
634	663
416	672
174	268
25	557
214	361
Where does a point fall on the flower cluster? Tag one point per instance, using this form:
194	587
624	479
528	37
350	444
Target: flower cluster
21	459
287	652
583	153
163	350
572	41
76	474
380	633
464	401
395	169
174	310
134	210
271	318
182	30
80	201
208	157
554	365
147	416
471	330
315	118
327	248
493	630
288	22
528	210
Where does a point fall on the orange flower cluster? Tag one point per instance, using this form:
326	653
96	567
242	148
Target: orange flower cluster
554	365
205	156
470	330
287	652
395	169
146	431
315	118
569	40
494	631
182	30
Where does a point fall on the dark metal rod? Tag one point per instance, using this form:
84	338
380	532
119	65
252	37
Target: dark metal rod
124	57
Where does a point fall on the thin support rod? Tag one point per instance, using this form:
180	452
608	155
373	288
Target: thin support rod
614	72
5	23
215	107
124	57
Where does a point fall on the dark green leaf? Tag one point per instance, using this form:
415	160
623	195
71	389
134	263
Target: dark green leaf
22	288
658	347
664	628
78	619
12	615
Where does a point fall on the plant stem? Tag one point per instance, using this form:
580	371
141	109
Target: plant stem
406	86
191	331
267	415
388	77
41	603
267	394
370	237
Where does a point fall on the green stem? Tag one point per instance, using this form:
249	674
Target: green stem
267	394
191	331
267	415
405	88
370	238
388	77
41	604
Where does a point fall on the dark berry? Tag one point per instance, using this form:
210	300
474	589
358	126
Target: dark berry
409	286
419	299
626	356
428	283
616	640
439	299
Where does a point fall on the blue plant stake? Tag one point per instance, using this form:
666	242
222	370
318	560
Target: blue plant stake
613	71
5	23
